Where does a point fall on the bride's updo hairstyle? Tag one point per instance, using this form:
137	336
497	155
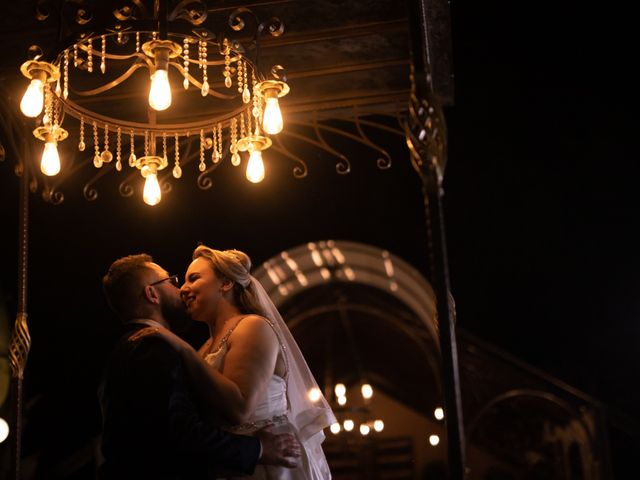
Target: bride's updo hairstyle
235	266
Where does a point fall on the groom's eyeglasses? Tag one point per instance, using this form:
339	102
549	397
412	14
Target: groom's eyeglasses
173	280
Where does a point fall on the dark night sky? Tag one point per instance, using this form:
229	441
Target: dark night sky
541	207
541	190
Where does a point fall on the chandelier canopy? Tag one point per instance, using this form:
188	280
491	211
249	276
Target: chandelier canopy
189	69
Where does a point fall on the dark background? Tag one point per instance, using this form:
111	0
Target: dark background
541	212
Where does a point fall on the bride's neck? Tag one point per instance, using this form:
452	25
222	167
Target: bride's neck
227	314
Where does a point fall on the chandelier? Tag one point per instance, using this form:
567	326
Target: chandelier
176	51
358	414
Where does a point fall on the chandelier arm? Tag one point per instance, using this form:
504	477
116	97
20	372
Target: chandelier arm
299	171
106	55
107	86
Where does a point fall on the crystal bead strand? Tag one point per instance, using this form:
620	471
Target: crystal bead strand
177	171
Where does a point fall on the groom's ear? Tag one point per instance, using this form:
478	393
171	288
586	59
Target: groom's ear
151	294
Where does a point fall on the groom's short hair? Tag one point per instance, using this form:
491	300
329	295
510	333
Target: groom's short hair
121	284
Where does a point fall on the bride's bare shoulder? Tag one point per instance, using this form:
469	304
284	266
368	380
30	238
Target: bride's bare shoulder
253	324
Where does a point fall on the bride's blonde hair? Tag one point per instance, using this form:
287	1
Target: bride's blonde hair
235	266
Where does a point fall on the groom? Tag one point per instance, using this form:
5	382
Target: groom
151	425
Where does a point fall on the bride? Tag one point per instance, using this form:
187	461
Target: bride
251	370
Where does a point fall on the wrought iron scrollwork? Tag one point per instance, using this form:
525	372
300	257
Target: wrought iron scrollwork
300	170
125	188
19	346
50	195
344	165
426	134
193	11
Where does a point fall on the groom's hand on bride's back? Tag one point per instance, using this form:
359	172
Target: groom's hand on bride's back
279	448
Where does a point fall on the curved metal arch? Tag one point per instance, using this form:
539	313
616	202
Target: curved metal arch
532	393
367	263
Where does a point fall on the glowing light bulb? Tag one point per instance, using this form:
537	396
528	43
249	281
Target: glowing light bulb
160	91
348	425
4	430
434	440
364	429
315	394
340	390
335	428
33	99
272	119
342	400
378	425
50	162
255	167
151	194
367	391
438	413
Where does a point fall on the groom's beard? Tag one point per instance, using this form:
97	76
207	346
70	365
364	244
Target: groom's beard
175	313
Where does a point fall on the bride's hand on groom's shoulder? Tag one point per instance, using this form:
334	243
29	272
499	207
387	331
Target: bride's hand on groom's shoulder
279	448
176	342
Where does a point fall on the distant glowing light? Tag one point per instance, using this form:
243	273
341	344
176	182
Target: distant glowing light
434	440
367	391
4	429
364	429
315	394
348	425
378	425
438	413
335	428
340	390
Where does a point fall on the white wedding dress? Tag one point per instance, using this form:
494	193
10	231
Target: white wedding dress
272	410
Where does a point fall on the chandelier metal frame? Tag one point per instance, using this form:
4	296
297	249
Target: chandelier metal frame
194	52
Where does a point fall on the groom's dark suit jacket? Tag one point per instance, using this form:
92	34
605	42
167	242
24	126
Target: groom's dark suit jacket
151	426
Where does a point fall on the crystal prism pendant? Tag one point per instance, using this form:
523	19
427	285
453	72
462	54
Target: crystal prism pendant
204	91
97	161
106	156
177	171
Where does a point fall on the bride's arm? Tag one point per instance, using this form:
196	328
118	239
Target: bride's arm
248	365
219	392
250	362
